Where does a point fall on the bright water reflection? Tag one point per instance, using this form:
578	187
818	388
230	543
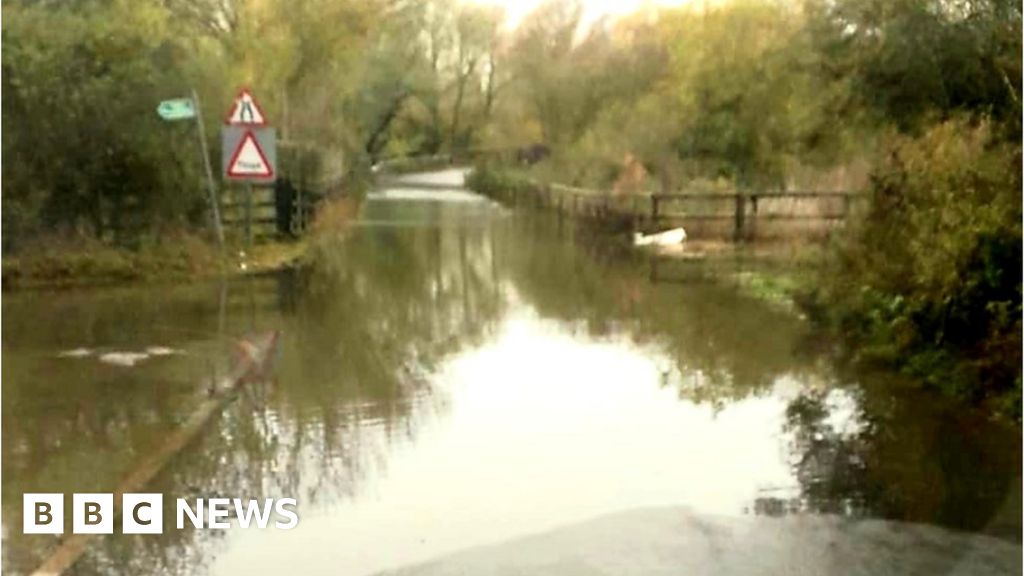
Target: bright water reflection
453	375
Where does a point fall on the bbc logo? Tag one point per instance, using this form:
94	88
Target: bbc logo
144	513
93	513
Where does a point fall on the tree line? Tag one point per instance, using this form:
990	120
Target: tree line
732	93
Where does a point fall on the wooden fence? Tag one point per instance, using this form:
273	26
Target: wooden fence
281	210
308	173
739	216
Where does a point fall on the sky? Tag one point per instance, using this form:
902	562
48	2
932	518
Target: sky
516	10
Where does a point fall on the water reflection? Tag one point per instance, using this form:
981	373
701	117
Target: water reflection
452	375
901	455
719	346
75	424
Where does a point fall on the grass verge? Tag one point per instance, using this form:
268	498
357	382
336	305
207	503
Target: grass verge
82	261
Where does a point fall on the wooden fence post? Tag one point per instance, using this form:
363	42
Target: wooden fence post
248	214
740	215
752	227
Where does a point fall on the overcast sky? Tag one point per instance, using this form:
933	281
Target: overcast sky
516	10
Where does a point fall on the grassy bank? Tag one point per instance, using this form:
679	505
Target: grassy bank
57	261
185	257
497	181
84	261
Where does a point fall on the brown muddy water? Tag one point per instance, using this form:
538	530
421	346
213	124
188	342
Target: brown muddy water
453	375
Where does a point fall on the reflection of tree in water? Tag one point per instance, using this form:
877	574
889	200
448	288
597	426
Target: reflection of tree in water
826	461
723	346
897	454
76	424
371	318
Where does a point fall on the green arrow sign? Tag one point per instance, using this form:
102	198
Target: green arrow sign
177	109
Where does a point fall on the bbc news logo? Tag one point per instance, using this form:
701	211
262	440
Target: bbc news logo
144	513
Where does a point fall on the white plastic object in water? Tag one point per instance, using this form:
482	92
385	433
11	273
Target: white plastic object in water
671	237
126	359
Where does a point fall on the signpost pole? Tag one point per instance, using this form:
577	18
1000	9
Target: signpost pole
209	172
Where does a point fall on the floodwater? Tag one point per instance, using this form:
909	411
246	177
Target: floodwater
453	375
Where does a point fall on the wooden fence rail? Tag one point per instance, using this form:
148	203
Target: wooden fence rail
741	216
283	210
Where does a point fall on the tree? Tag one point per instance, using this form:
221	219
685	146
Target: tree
475	30
910	59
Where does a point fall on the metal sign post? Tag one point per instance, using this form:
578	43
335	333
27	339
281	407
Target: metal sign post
187	109
211	188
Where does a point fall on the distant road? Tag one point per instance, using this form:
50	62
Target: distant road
450	178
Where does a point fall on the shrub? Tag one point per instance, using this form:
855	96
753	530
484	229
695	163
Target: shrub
930	279
497	182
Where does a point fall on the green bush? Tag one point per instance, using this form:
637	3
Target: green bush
930	279
498	182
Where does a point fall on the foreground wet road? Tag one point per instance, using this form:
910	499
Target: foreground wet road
452	376
670	541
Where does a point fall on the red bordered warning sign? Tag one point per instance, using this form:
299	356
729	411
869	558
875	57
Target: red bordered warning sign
248	160
245	111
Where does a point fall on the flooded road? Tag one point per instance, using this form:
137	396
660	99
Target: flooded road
454	375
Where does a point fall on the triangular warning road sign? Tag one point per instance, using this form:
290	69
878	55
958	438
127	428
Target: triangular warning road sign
246	111
248	160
